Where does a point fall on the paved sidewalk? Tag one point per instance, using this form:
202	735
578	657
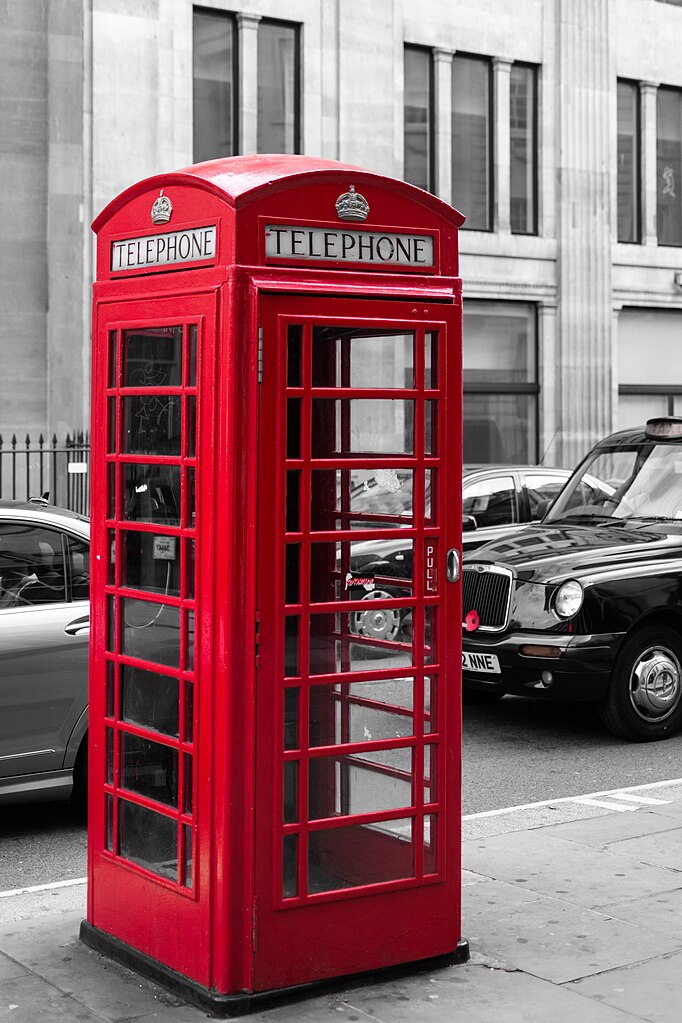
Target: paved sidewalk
579	922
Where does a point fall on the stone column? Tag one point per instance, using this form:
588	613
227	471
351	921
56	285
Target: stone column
585	164
247	27
502	142
442	60
648	94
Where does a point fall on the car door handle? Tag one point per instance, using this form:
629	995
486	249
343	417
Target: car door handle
453	565
78	627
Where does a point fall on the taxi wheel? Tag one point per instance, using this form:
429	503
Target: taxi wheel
644	699
382	623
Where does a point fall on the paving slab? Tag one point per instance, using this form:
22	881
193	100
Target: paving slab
662	849
550	938
10	968
661	913
30	999
650	991
600	832
567	870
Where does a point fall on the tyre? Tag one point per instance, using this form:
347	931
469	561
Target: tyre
644	698
382	623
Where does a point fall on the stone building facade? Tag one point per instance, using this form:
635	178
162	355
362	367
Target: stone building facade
554	125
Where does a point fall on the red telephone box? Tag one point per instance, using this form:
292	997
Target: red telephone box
275	722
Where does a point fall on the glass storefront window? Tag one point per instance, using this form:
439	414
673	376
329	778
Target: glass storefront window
213	82
669	166
472	140
278	77
628	162
418	117
523	149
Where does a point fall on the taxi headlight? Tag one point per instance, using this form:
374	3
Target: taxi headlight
568	599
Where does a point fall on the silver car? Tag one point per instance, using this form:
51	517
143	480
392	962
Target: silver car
44	630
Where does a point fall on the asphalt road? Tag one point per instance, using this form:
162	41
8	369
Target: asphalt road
516	752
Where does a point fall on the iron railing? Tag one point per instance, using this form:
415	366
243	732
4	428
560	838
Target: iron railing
60	470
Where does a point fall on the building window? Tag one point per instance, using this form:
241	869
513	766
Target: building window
214	85
669	166
523	141
645	387
629	187
418	117
500	382
472	173
278	87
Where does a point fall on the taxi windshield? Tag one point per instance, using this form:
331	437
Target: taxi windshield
639	482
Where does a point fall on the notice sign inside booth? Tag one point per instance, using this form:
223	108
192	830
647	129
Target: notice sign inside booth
190	246
378	248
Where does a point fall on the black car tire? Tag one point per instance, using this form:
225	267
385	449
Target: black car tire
644	698
478	698
384	623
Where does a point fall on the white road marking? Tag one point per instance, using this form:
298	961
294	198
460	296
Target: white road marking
618	793
584	801
640	799
42	887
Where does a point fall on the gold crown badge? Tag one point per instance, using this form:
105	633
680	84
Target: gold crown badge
352	206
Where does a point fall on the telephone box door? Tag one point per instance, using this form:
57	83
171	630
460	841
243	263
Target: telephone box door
358	709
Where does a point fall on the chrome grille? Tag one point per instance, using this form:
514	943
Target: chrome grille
487	591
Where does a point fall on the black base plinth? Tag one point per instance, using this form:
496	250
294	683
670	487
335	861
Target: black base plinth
244	1002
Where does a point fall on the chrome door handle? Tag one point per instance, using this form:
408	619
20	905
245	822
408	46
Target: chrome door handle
78	627
453	565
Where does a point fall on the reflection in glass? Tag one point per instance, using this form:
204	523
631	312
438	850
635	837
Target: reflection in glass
364	494
151	562
148	839
189	625
418	115
331	652
150	700
430	704
361	712
290	791
291	705
109	823
430	773
431	843
290	867
359	855
360	783
213	84
350	357
277	114
151	424
151	631
152	493
149	768
152	357
366	426
190	498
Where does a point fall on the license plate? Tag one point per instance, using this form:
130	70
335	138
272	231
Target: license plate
486	663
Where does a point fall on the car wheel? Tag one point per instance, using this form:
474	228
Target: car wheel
644	699
474	698
379	623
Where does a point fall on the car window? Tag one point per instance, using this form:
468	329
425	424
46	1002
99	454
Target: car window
542	487
31	565
492	502
79	568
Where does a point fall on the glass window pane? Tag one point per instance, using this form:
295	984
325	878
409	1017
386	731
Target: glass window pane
628	162
348	357
472	140
151	631
79	568
348	498
635	409
360	783
648	345
151	424
151	563
148	838
290	867
361	426
152	357
152	493
500	428
31	566
361	711
277	88
149	768
499	343
418	113
523	149
358	855
150	700
332	651
491	502
213	85
669	166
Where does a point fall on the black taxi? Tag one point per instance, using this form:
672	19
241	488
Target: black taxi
587	604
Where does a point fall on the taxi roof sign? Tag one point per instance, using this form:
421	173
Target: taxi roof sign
664	427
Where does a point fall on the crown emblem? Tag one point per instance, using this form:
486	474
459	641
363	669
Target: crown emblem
352	206
162	208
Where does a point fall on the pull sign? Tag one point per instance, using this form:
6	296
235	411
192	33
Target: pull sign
430	568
